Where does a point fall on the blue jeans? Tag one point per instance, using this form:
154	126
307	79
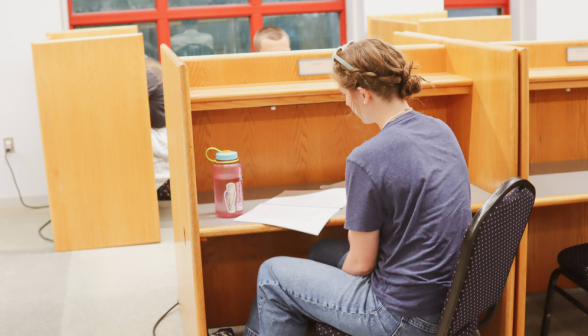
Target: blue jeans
292	291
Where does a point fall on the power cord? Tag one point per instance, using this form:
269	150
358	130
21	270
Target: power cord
163	316
22	201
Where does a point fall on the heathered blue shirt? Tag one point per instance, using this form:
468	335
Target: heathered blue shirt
411	182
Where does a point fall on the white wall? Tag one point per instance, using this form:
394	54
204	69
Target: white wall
358	10
383	7
562	19
23	22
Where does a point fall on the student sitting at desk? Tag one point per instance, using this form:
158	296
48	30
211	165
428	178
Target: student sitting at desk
408	206
158	129
271	38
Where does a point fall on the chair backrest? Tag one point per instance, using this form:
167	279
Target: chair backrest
194	49
487	253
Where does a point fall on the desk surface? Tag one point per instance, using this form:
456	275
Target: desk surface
306	92
558	77
560	188
213	226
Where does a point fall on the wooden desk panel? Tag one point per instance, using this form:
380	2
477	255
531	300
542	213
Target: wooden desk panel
558	78
92	32
309	92
94	116
559	125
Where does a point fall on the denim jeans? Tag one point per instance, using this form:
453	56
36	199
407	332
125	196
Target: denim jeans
292	291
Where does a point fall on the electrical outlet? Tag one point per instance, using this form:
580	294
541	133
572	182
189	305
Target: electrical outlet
9	145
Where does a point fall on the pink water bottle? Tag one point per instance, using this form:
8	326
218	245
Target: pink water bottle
228	183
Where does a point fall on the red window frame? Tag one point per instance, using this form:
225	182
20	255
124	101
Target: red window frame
456	4
162	15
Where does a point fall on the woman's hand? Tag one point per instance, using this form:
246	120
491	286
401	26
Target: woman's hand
363	253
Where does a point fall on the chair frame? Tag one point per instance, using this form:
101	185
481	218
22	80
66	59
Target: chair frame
467	250
553	288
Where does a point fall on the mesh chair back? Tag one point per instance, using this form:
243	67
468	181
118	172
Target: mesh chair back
488	251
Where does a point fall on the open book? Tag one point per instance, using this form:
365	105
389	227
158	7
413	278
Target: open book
304	211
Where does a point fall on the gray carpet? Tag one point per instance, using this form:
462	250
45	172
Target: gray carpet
124	290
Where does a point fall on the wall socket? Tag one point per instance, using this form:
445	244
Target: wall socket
8	145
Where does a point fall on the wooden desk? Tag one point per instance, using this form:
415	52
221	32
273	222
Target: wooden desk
94	115
226	101
480	28
374	29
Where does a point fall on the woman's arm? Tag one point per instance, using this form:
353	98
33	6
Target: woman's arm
363	253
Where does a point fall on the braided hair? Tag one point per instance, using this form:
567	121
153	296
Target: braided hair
378	67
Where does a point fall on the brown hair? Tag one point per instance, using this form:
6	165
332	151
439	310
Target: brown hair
154	67
379	68
268	32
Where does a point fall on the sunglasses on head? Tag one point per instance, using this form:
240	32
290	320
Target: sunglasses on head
341	60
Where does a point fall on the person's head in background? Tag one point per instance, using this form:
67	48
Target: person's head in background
271	38
375	79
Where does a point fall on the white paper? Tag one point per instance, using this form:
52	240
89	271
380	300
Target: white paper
330	198
307	213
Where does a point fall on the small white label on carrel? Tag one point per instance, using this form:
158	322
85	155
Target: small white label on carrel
316	66
577	54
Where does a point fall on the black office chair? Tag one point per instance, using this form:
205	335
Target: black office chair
487	253
194	49
573	264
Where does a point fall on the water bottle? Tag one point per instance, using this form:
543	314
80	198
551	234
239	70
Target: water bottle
228	183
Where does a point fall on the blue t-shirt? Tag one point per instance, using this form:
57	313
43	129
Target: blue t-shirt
411	182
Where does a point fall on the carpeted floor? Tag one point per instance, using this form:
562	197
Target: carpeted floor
124	290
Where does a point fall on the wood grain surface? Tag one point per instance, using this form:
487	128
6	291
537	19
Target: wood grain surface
276	67
384	29
552	229
183	189
308	92
92	32
547	54
403	17
94	116
480	28
559	125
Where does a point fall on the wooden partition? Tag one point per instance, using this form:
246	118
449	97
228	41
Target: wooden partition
92	32
481	28
376	28
295	132
94	115
558	155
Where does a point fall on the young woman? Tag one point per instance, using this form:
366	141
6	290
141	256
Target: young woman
408	206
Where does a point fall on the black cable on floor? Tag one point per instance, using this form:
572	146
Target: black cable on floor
162	317
22	201
41	234
17	189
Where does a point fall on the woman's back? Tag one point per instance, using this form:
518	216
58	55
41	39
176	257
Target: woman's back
411	182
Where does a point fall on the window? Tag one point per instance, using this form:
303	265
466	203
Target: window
204	27
459	8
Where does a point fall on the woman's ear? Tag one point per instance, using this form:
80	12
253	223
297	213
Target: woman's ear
365	95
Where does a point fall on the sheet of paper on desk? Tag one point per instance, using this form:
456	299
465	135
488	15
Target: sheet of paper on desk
304	211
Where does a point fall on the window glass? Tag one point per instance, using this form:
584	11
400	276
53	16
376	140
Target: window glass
463	12
85	6
308	31
210	36
149	30
183	3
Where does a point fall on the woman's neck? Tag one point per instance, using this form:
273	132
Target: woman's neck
386	111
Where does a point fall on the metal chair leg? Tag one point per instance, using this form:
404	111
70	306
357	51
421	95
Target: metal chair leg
549	302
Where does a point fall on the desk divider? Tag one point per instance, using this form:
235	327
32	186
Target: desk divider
92	32
302	141
481	28
94	116
183	187
375	27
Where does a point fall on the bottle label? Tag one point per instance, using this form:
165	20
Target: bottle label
231	197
